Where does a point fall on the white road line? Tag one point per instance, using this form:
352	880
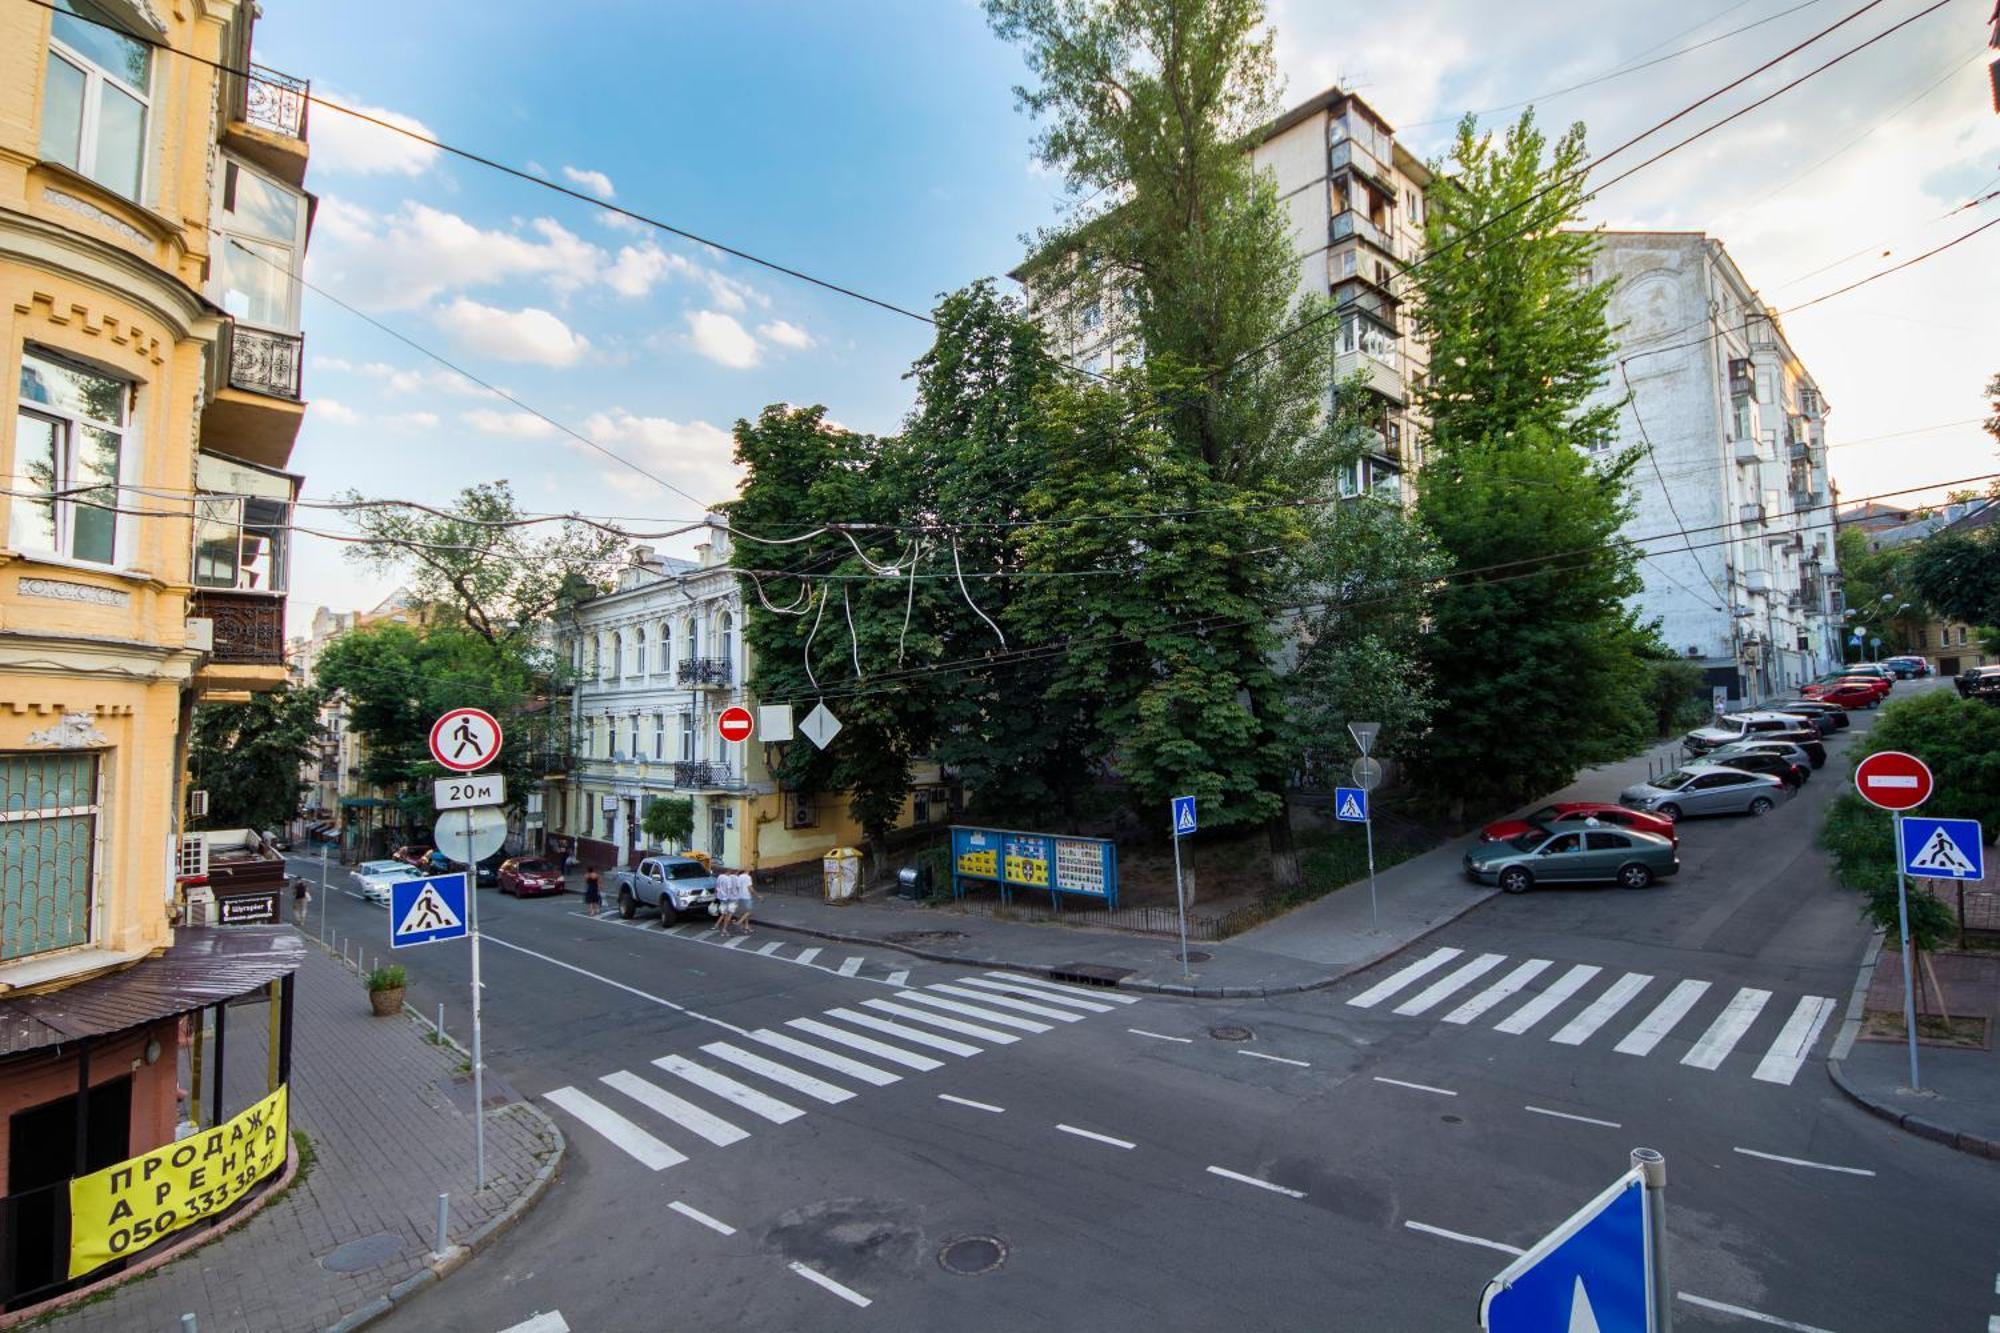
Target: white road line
1420	1087
685	1114
1581	1119
903	1032
1389	985
973	1011
1160	1036
1781	1063
751	1100
618	985
697	1215
852	965
1277	1059
1535	1010
847	1294
734	942
1227	1174
548	1322
880	1049
1752	1315
816	1088
812	1054
1642	1039
967	1101
1008	1002
766	950
1455	980
1029	993
1093	1134
1728	1029
899	978
1088	992
959	1026
1462	1238
1800	1161
1498	991
649	1151
1601	1011
806	955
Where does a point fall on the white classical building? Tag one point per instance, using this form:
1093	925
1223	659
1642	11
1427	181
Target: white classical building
1734	501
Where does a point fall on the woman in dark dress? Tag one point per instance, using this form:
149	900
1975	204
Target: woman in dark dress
593	895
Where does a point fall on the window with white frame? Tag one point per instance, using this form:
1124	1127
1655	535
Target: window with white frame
687	737
692	645
69	449
666	647
242	522
617	654
97	91
611	735
725	637
260	227
48	851
634	752
659	736
639	651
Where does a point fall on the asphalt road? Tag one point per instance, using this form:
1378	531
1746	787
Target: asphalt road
1364	1158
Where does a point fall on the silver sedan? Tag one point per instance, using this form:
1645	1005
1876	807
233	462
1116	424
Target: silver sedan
1705	791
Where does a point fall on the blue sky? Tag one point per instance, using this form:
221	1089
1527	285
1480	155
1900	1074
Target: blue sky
876	143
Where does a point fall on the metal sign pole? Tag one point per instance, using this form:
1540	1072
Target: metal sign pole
478	1059
1909	976
1180	898
1368	827
1652	1169
322	892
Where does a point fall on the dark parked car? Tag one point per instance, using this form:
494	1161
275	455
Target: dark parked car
1806	738
1624	857
529	876
1834	715
1907	668
1983	681
487	875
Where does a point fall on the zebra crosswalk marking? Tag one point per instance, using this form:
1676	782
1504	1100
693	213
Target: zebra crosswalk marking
1043	983
647	1150
1603	1009
1498	991
1781	1063
900	978
1042	996
1389	985
812	1054
895	1055
807	955
905	1032
1009	1002
768	949
939	1020
851	966
972	1011
1728	1029
1535	1010
1642	1039
751	1100
683	1113
1456	979
817	1088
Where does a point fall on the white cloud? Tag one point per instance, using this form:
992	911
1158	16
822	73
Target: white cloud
721	339
639	267
534	168
786	334
517	425
343	143
405	259
620	222
331	363
530	334
596	182
339	413
437	380
694	455
413	420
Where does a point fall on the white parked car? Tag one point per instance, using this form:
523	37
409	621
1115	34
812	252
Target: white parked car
1742	726
375	878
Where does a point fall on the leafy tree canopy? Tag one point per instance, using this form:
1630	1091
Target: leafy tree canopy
248	757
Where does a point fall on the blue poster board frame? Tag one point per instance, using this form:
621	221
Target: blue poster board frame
1052	863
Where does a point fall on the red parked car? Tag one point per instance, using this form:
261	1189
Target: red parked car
530	876
1572	814
1848	691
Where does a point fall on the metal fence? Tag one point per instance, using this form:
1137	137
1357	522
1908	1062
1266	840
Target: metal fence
802	879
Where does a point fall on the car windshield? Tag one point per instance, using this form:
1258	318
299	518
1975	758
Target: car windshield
1675	780
377	867
1545	815
533	867
1527	842
685	870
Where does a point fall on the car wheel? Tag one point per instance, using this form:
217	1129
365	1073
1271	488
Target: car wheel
1634	876
1669	812
627	905
1516	880
1760	806
669	915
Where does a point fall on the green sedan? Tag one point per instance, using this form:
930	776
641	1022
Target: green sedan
1624	857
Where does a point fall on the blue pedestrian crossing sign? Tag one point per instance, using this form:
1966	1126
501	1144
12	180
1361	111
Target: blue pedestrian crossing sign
1350	804
1943	848
1184	821
425	911
1589	1275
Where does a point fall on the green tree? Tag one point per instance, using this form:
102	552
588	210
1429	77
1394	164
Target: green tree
1959	575
248	757
669	820
1881	597
1533	653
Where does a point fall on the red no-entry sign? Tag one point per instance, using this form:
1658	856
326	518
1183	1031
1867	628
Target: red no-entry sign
1893	780
734	723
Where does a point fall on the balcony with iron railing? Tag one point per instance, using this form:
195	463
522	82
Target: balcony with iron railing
266	121
705	672
249	627
255	407
706	775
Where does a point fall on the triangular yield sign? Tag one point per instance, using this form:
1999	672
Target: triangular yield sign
428	913
1941	853
1582	1319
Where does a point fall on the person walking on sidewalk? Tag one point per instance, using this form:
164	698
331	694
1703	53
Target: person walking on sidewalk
301	895
745	895
593	892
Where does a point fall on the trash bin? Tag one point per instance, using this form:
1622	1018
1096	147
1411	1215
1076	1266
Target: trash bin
842	867
907	883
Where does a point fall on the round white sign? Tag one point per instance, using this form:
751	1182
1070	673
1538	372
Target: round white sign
469	835
465	739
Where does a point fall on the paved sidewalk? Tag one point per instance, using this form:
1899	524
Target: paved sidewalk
390	1129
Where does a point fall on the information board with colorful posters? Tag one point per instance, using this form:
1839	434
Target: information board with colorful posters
1050	863
124	1208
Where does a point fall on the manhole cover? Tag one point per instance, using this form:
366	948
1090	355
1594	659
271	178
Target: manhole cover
358	1256
924	936
1452	1119
1231	1034
969	1256
1193	956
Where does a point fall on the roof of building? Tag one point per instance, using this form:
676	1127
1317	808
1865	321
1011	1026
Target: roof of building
1984	514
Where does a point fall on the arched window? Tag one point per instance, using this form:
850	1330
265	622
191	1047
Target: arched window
639	651
725	640
691	632
617	653
666	647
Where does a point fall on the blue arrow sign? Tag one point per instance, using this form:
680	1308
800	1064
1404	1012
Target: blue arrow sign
1350	804
1184	821
1586	1276
425	911
1943	848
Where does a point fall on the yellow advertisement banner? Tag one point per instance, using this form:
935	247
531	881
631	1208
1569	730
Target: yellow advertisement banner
124	1208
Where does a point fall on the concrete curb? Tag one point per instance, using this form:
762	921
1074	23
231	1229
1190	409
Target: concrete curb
443	1266
1978	1145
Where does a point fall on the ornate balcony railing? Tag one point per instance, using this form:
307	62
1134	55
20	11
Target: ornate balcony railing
249	627
261	361
705	775
276	102
713	671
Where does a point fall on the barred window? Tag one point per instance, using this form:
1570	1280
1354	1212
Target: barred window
48	836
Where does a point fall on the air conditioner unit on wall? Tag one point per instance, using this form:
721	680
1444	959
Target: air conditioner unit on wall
197	805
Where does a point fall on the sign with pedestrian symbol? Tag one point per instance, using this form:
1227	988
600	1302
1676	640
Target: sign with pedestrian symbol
1184	821
1943	848
1350	805
425	911
465	740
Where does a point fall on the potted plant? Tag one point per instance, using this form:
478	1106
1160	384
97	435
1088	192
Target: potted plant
385	990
